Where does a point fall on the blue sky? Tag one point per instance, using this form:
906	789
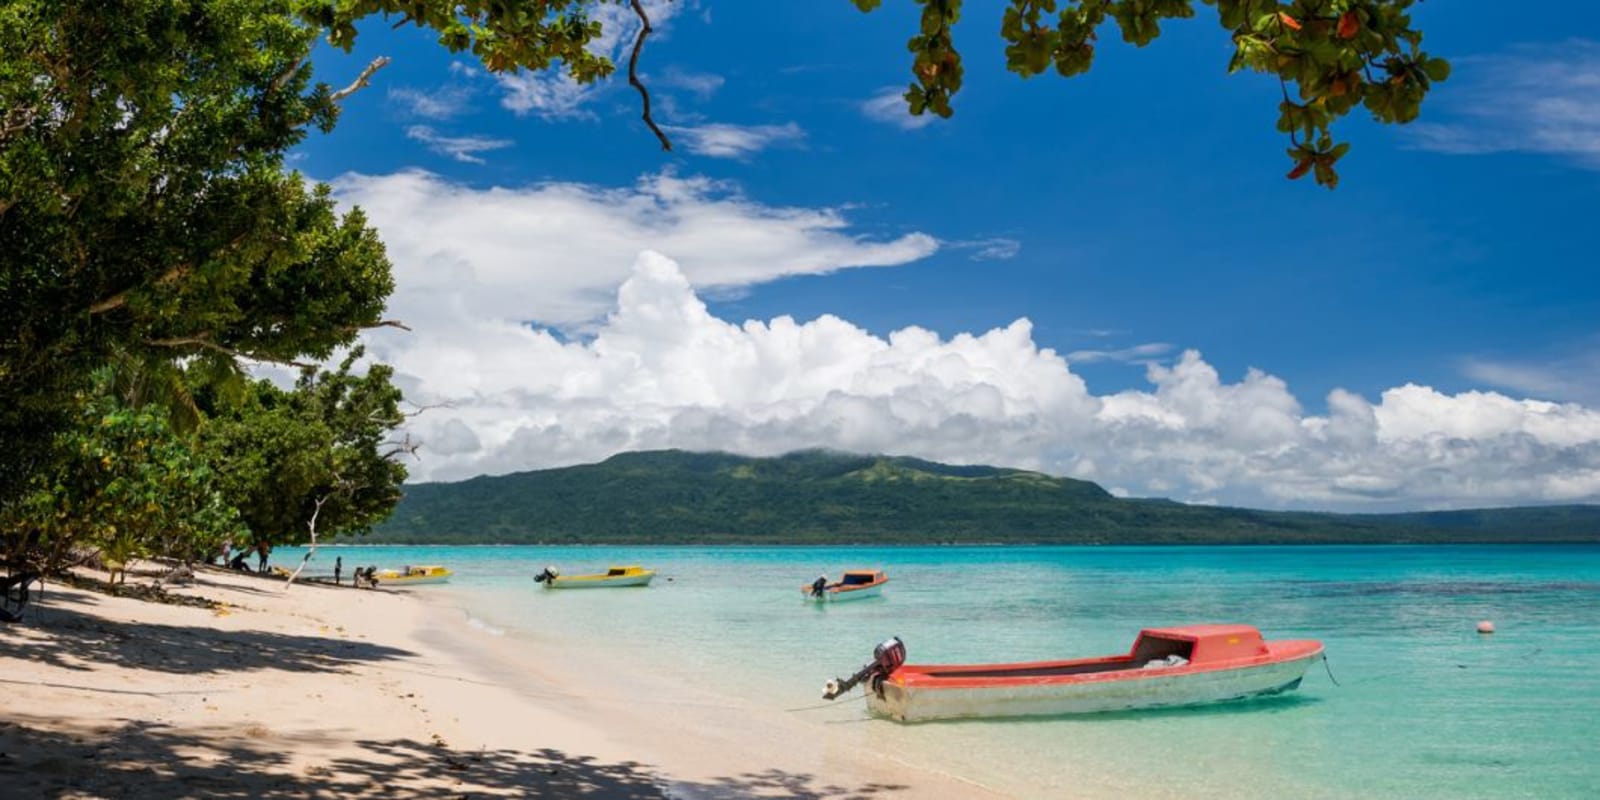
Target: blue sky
1130	215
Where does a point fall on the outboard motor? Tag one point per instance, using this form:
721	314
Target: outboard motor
819	586
886	658
549	574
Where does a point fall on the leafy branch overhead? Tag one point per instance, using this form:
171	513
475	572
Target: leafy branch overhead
534	35
1329	56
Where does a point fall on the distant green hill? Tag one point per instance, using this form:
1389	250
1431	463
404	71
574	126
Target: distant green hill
817	497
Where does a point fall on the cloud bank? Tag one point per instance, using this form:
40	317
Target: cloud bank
661	371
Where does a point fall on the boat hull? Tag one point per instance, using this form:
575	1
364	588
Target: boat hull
843	595
413	575
403	581
604	582
1123	691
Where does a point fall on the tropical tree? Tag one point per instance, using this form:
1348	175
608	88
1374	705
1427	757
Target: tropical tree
144	207
323	452
126	487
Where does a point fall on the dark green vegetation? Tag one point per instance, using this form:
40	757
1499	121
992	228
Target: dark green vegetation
814	497
240	461
152	241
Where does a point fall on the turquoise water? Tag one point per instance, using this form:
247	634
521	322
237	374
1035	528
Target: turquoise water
1426	707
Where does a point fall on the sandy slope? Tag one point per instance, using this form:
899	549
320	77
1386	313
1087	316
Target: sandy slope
334	692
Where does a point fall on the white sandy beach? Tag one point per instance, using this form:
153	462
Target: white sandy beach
334	692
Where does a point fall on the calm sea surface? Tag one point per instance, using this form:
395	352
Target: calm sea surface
1426	707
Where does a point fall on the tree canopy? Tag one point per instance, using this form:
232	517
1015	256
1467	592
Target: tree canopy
323	448
1329	56
144	207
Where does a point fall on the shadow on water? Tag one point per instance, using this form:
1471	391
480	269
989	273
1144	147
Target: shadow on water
144	760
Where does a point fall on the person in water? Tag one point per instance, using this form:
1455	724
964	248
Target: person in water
338	566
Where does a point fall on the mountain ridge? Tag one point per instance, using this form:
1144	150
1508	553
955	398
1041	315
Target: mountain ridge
829	497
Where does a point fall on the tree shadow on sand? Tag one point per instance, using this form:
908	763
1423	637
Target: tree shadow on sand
66	637
154	761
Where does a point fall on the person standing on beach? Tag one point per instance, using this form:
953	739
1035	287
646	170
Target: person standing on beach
262	549
338	565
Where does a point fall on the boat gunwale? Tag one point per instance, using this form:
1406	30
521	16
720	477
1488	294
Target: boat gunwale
879	579
922	676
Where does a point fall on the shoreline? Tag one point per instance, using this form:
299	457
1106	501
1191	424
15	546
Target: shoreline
332	692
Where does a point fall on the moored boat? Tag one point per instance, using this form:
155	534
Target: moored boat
411	575
615	576
1176	666
854	584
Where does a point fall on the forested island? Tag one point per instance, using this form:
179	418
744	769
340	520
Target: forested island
820	497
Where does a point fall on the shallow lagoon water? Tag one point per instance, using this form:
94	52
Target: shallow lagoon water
1426	707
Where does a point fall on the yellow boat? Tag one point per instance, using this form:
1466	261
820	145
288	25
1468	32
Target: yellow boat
615	576
407	576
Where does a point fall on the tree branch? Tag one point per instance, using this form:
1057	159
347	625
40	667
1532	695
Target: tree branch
386	323
120	299
204	340
312	550
421	407
633	74
406	445
284	76
361	80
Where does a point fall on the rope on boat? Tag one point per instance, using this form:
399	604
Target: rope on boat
823	705
1329	669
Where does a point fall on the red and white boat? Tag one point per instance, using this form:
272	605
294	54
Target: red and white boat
855	584
1178	666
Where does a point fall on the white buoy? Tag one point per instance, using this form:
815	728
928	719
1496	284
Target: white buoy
1485	626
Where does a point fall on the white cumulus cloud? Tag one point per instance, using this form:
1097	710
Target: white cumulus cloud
662	371
556	252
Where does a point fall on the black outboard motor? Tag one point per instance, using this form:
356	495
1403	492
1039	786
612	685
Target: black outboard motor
549	574
819	586
886	658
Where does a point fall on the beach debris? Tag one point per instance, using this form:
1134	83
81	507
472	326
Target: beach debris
1485	626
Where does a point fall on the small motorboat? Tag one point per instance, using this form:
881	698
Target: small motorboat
615	576
408	575
1178	666
854	584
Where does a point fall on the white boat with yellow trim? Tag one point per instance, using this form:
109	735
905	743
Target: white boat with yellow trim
615	576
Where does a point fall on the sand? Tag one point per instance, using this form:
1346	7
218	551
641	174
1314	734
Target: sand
324	691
